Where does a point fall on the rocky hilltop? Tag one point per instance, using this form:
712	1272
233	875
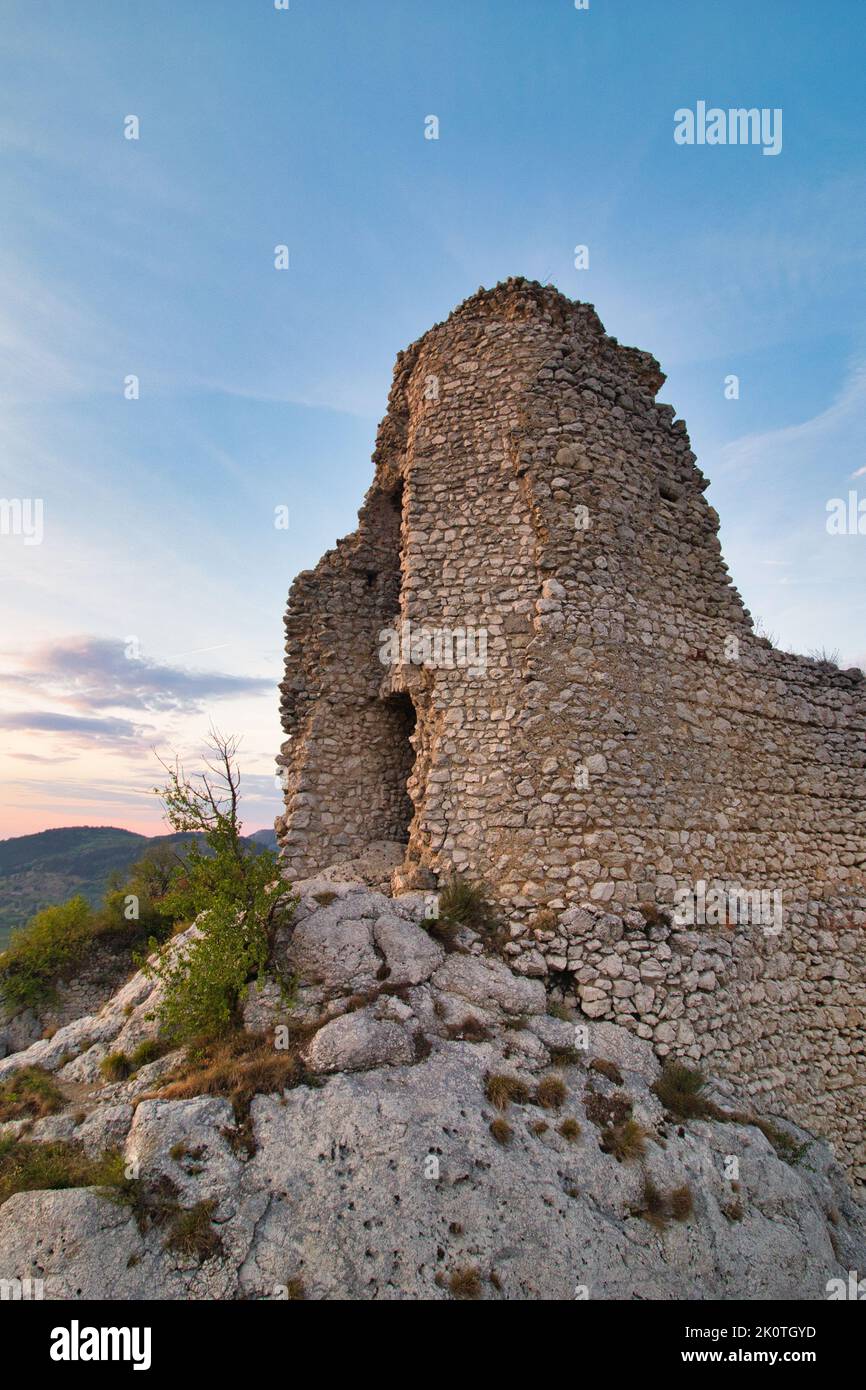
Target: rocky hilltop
529	664
404	1118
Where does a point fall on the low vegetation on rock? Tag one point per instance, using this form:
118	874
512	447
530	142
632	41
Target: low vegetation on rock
29	1094
237	896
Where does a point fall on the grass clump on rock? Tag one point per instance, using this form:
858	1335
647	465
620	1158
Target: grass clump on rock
550	1093
191	1232
29	1167
147	1051
238	1066
116	1066
465	903
501	1131
29	1094
660	1208
679	1089
626	1141
465	1283
502	1089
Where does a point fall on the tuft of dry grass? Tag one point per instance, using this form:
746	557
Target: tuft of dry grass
30	1094
465	1282
239	1067
658	1209
608	1069
545	920
550	1093
679	1089
471	1030
501	1131
682	1203
566	1056
444	932
625	1141
502	1089
654	1208
191	1233
557	1010
539	1127
296	1289
569	1129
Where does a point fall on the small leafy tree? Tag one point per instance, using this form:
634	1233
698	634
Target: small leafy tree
232	890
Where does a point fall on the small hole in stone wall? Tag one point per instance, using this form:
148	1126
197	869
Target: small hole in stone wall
371	578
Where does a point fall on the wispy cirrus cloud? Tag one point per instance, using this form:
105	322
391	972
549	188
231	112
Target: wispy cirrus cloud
836	437
51	722
94	673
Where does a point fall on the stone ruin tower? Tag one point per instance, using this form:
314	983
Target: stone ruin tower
529	665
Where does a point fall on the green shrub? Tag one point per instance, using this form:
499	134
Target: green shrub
29	1094
48	947
233	891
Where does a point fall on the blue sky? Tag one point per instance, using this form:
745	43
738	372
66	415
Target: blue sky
262	388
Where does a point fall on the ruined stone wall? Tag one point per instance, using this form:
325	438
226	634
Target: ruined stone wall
627	733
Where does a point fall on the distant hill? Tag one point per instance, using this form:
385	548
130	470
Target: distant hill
266	838
55	865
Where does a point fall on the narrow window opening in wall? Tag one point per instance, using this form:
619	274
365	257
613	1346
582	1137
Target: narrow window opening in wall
371	578
396	499
401	719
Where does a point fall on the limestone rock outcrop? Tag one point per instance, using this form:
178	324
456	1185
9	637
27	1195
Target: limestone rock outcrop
396	1169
